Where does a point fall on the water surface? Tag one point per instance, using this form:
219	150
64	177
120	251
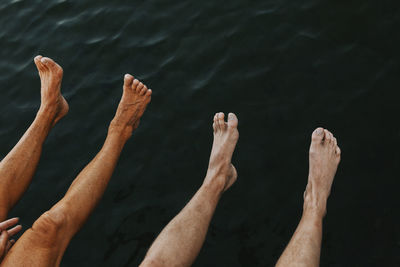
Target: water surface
284	67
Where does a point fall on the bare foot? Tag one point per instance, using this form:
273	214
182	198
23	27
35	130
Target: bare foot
52	102
226	135
133	103
324	160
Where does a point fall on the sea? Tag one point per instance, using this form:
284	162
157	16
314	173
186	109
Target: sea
284	67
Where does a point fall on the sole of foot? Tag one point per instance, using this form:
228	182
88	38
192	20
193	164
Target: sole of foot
226	135
135	98
324	159
52	101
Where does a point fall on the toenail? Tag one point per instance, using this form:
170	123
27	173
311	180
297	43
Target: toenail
319	131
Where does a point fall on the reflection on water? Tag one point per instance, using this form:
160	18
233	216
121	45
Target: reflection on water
285	67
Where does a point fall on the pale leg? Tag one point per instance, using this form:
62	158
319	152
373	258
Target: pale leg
304	248
181	240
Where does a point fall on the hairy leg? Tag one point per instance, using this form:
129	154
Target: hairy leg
18	167
44	244
305	246
180	241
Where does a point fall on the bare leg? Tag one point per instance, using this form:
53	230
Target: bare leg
181	240
18	167
44	244
305	246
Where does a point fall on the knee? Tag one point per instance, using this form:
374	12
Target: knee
51	225
52	220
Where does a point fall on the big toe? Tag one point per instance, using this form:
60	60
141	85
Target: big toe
128	79
232	120
318	135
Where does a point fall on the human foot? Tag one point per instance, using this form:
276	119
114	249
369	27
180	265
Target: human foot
52	102
220	169
324	160
133	103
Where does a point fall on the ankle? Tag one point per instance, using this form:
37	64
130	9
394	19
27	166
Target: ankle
46	113
47	107
314	206
214	183
218	168
124	132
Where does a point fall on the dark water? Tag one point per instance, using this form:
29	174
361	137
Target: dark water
284	67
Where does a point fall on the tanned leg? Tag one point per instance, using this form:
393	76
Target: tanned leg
305	246
181	240
44	244
18	167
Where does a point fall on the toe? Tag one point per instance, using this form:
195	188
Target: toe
128	79
216	121
149	92
50	64
46	61
221	121
338	151
214	125
328	136
334	141
139	87
232	120
318	135
135	84
144	90
37	59
331	137
38	64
